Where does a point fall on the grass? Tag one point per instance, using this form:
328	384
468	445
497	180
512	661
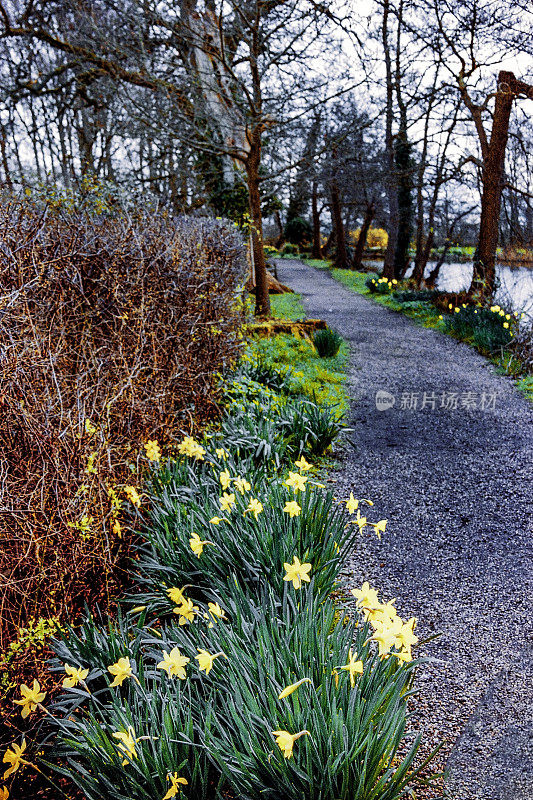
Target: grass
421	312
525	385
287	306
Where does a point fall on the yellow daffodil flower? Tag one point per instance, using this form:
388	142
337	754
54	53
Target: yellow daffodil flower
242	485
215	520
366	597
205	660
302	464
127	744
354	667
352	504
379	527
174	664
254	506
197	544
153	451
297	573
360	521
133	495
285	740
189	447
186	612
385	635
406	636
227	501
31	698
4	793
292	688
175	786
121	670
13	756
296	481
292	509
215	611
225	479
221	453
75	675
176	595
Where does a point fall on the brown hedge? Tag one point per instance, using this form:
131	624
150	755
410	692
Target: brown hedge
114	323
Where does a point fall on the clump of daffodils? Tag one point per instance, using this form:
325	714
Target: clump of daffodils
393	636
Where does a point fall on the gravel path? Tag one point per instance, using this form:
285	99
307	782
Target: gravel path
455	485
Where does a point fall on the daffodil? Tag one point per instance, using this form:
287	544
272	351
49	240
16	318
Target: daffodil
153	451
360	521
127	744
174	664
175	786
242	485
254	507
133	495
215	611
302	464
197	544
121	670
225	479
352	504
186	612
366	597
191	448
75	675
13	756
285	740
292	509
176	595
296	481
205	660
221	453
354	667
215	520
379	527
385	635
227	501
297	573
31	698
4	793
292	688
406	637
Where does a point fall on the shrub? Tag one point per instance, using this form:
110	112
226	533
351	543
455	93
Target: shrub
380	286
327	342
289	249
418	295
298	231
113	329
488	328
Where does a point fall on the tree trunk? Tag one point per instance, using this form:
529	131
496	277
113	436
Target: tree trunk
317	249
363	233
262	299
484	275
392	189
341	254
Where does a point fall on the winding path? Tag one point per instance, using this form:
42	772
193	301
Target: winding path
454	479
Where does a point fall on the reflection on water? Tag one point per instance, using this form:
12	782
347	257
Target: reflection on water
515	290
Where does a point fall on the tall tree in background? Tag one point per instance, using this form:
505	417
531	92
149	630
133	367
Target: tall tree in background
211	60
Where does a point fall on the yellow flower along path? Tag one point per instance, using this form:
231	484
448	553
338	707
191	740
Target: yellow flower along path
231	668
